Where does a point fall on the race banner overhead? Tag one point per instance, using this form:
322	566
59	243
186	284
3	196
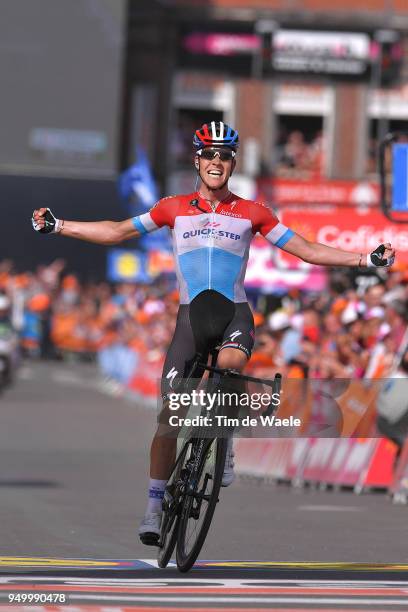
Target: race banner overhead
320	52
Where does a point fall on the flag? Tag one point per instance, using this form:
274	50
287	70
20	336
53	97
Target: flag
138	189
137	182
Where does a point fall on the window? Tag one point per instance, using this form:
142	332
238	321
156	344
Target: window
299	146
187	121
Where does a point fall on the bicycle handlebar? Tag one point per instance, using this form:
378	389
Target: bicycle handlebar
235	374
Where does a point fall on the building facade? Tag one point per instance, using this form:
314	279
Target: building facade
312	86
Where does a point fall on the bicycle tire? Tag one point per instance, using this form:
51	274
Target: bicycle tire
169	538
186	558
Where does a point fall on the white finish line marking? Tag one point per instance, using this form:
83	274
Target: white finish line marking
227	582
240	599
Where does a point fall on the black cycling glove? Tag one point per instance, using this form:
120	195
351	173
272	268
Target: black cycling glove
52	224
376	259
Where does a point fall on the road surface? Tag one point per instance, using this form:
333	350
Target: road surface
73	476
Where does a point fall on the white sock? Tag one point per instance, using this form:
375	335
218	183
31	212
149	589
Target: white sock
156	493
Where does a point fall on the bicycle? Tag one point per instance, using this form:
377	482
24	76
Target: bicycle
192	491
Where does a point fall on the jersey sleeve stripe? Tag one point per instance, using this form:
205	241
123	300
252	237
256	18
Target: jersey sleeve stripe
276	233
284	239
144	223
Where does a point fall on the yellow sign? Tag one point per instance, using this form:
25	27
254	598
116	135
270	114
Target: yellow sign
127	265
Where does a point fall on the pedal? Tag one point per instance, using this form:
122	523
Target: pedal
149	539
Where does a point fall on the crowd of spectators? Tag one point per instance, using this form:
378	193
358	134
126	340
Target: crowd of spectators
343	332
299	153
300	157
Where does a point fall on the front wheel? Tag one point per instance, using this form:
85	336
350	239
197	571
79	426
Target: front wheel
172	501
200	500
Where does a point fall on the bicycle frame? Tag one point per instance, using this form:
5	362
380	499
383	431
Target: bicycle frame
187	475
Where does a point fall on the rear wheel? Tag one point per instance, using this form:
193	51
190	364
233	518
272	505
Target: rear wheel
200	500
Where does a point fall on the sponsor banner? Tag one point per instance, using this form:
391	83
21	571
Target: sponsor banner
394	100
278	459
276	465
125	265
268	460
302	98
318	459
286	191
221	43
225	46
354	229
52	142
159	262
320	52
133	266
379	473
300	451
269	269
248	455
331	472
360	463
145	380
358	456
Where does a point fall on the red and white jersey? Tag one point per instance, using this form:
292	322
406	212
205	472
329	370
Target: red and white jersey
211	247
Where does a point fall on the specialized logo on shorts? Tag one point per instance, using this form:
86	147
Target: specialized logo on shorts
207	232
235	334
171	375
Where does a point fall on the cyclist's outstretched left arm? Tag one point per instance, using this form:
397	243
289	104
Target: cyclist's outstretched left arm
320	254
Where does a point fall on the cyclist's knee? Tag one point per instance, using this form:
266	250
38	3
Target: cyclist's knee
165	427
232	358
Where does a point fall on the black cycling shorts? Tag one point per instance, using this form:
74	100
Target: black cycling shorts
210	320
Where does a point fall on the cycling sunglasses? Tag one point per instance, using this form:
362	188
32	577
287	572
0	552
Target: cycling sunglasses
224	154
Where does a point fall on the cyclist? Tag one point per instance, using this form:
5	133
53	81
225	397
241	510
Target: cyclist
212	229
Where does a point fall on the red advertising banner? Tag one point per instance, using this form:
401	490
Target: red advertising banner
360	451
352	229
271	269
379	473
342	214
300	451
281	192
318	459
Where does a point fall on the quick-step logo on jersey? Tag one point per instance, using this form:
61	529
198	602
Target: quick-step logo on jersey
208	232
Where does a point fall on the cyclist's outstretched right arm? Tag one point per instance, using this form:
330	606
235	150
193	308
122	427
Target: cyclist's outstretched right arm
99	232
